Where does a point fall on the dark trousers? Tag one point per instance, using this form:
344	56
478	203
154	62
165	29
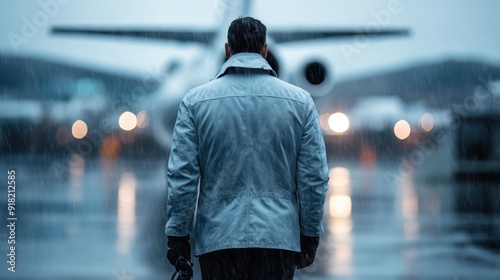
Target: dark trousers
248	263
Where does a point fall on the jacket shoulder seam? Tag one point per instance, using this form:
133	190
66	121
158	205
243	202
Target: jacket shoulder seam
247	95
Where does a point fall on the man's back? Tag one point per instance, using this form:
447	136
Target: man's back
253	145
250	127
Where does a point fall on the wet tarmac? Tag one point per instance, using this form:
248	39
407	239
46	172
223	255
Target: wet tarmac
87	218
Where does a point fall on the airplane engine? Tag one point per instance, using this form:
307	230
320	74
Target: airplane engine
315	77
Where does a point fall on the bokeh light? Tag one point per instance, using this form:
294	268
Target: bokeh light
127	121
338	122
79	129
142	119
427	122
402	129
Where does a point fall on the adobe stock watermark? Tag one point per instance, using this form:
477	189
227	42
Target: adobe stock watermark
32	26
11	219
380	19
417	157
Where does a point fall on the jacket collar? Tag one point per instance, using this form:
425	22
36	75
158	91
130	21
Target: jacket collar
245	60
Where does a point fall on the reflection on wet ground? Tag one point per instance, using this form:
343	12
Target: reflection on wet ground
407	229
93	219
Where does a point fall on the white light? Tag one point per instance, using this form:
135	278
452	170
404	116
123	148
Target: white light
79	129
338	122
402	129
339	178
427	122
126	226
142	119
340	206
127	121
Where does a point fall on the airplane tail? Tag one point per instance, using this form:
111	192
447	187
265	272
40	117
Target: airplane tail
227	11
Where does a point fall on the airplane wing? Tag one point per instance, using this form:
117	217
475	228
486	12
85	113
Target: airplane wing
286	36
207	36
204	37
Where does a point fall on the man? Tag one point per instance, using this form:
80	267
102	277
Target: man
254	146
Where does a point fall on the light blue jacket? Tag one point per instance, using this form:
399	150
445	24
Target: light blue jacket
253	145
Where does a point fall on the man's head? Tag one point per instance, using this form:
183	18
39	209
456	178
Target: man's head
246	34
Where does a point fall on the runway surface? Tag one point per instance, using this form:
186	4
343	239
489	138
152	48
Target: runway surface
88	218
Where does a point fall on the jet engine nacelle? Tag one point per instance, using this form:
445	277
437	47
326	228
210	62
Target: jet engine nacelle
315	77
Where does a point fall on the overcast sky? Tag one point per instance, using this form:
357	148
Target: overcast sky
444	29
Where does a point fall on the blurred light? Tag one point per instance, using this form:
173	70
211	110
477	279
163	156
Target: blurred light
126	193
340	222
79	129
77	171
402	129
339	178
368	157
341	227
340	206
127	121
338	122
62	136
142	119
110	147
76	163
126	213
409	208
339	203
343	253
410	205
427	122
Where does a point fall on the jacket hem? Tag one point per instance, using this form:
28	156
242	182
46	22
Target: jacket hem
243	246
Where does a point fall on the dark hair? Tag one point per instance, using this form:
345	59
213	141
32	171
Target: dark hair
246	34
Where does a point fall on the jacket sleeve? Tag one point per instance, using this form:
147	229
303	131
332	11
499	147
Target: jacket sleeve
312	175
182	174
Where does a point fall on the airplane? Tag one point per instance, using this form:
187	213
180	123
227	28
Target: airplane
314	75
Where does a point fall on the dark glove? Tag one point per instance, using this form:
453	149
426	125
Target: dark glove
179	255
308	247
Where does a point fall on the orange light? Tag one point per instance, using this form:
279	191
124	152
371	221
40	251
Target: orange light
110	147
